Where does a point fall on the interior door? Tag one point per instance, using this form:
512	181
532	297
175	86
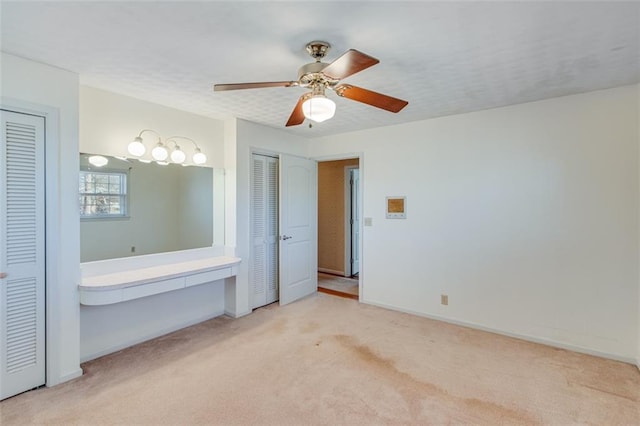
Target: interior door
263	268
22	262
355	222
298	228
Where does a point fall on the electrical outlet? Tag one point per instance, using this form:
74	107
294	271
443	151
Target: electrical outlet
133	249
444	299
368	221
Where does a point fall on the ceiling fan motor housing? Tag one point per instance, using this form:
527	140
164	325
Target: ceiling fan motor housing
311	74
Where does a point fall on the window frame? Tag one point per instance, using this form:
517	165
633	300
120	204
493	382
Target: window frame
124	197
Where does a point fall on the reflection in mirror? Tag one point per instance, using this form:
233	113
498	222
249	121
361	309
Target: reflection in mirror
130	208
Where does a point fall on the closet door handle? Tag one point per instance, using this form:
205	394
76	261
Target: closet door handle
285	237
3	275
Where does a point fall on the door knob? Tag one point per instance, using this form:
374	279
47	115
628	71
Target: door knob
3	275
285	237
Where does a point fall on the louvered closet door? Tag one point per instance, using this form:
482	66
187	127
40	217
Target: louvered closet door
264	230
22	357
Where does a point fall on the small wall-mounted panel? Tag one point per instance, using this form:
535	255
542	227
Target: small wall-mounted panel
396	207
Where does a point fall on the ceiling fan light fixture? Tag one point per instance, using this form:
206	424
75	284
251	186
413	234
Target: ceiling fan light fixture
318	108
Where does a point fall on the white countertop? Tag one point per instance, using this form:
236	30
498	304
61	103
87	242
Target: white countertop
141	276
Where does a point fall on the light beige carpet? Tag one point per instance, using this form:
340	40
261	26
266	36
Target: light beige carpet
329	360
337	283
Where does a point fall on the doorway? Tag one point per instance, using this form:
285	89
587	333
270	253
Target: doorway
339	227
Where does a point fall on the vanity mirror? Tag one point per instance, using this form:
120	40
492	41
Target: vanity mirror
129	207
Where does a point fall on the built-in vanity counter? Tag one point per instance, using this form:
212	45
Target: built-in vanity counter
120	286
129	300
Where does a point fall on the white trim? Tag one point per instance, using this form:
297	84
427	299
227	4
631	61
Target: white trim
526	337
70	376
234	315
261	151
337	157
360	157
52	232
332	272
347	220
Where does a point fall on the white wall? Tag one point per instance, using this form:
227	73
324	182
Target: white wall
109	328
526	216
243	139
109	121
48	88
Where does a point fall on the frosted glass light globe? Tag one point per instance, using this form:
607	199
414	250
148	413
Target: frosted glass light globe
159	153
136	147
318	108
98	160
199	157
178	155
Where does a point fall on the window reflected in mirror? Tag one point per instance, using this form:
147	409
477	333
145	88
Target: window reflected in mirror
129	208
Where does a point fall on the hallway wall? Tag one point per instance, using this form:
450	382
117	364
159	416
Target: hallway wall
331	215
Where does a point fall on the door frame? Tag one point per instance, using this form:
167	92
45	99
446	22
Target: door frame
360	157
52	234
348	207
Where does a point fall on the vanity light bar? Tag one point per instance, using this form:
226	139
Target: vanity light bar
160	152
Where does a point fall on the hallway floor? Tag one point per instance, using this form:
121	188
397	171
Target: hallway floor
333	284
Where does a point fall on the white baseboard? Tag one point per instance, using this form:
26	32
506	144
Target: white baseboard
528	338
146	337
234	315
65	378
331	271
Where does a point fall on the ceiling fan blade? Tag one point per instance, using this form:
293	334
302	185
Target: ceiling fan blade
297	116
351	62
236	86
370	98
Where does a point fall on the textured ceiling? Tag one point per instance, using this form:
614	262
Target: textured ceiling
443	57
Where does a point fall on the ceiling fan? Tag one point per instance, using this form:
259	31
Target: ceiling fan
319	76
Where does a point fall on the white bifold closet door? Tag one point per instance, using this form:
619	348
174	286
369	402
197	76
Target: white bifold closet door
263	272
22	260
